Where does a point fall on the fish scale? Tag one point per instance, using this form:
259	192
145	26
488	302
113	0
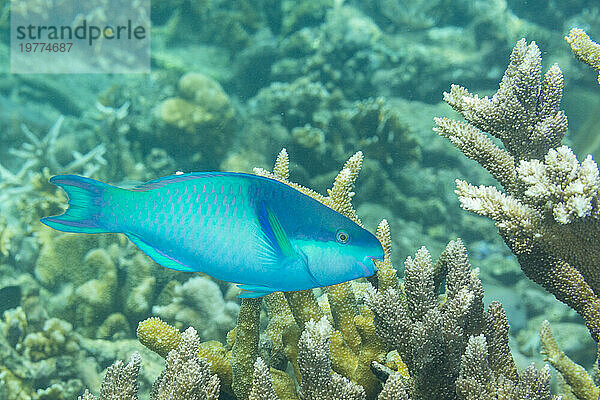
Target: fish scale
251	230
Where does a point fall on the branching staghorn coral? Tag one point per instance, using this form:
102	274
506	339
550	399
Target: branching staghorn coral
584	48
394	389
262	387
38	156
41	152
186	376
318	382
120	381
339	197
549	215
409	320
433	333
479	381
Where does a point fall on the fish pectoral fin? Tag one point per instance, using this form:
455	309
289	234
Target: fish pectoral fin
254	291
159	256
274	233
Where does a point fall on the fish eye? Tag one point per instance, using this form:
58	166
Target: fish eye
342	236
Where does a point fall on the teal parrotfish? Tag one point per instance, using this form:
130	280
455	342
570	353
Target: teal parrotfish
254	231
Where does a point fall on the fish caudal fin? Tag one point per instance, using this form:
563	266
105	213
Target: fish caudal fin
85	202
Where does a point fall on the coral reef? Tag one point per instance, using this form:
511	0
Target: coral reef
549	214
232	83
426	337
430	331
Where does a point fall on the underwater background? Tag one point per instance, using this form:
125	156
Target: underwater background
232	83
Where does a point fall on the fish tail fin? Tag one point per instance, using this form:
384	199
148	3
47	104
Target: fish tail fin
85	204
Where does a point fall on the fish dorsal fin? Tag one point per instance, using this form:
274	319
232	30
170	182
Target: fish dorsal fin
276	247
159	256
165	180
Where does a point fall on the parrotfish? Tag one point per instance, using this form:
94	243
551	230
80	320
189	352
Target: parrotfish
254	231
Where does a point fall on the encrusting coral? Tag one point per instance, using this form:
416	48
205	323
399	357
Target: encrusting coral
550	214
584	48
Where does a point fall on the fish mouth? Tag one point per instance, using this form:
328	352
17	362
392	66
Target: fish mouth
368	261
